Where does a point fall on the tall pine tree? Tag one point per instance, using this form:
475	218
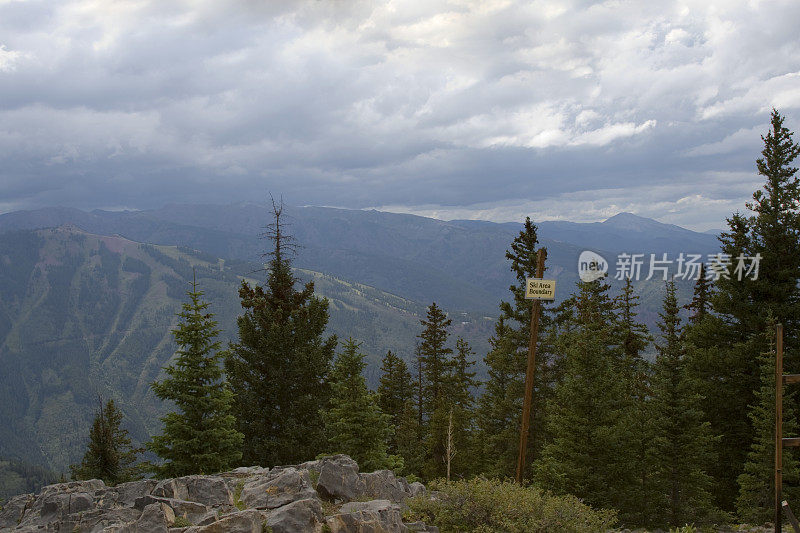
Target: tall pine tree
395	391
410	431
355	424
499	415
200	437
437	364
589	455
757	481
741	307
775	230
640	424
279	365
462	388
500	406
684	445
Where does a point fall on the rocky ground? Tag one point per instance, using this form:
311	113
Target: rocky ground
328	495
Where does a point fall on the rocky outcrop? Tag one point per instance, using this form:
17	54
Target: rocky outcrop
328	494
379	516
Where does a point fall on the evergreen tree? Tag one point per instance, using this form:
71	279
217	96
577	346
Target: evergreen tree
463	382
720	354
278	368
109	455
700	305
640	424
741	307
634	337
419	390
709	352
437	364
754	504
410	445
589	455
683	446
394	392
199	438
500	407
775	228
410	432
435	356
354	423
461	404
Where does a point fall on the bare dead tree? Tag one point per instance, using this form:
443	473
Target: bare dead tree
284	244
450	452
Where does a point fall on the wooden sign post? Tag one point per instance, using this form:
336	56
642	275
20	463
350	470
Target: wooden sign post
778	424
782	379
536	289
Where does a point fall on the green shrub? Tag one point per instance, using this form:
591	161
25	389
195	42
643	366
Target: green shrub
486	506
181	521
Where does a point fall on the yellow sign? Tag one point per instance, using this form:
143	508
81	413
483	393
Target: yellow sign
540	289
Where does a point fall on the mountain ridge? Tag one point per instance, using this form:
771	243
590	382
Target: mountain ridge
84	316
460	264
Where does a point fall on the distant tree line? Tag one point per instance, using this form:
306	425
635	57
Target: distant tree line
684	438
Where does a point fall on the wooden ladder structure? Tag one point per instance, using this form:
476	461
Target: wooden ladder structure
782	379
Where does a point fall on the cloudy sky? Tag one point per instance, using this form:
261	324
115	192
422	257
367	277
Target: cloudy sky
488	109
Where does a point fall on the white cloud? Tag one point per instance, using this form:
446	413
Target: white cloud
8	59
743	139
408	103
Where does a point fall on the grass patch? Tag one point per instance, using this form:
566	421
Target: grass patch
237	496
329	508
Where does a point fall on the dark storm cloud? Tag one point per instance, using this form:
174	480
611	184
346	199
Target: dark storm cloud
492	109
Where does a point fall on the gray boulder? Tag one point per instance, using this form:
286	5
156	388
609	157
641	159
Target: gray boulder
249	521
312	466
209	518
55	502
416	489
156	518
97	520
12	511
124	494
278	488
383	485
128	492
303	516
192	511
208	490
339	479
376	516
244	472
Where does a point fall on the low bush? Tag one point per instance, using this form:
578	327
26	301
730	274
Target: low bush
484	506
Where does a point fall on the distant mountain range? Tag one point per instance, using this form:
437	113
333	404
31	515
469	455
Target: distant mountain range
87	305
459	264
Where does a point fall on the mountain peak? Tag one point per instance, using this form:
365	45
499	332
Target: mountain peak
625	217
629	221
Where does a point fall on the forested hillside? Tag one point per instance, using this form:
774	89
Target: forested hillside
85	316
